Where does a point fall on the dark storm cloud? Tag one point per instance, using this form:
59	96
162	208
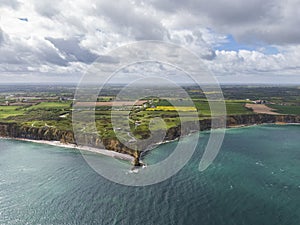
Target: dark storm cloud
72	50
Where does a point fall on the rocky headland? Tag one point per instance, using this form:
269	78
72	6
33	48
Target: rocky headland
15	130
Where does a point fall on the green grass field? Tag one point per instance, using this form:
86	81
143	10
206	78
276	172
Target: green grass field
7	111
237	108
286	109
52	105
232	108
40	115
48	114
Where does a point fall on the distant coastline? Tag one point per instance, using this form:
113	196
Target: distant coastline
115	148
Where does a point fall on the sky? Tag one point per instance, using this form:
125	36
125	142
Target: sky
55	41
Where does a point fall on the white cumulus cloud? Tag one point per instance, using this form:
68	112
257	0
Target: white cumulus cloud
58	39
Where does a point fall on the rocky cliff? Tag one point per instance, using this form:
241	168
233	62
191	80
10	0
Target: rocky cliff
15	130
261	118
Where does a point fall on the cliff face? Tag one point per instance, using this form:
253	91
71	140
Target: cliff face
45	133
52	134
232	121
14	130
261	118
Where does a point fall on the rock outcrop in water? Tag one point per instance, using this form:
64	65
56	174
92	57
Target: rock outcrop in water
15	130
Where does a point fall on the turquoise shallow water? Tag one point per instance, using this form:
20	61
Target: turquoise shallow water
255	179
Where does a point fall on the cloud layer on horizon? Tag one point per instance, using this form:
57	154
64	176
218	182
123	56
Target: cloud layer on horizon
61	38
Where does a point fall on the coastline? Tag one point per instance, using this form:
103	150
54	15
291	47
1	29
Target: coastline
261	124
104	152
153	146
117	150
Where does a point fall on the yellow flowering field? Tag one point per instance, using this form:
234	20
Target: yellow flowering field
172	108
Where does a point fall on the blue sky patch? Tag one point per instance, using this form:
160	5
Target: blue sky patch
232	45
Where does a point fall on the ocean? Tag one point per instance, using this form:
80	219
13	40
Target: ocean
255	179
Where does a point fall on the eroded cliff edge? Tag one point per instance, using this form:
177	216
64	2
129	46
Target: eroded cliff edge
14	130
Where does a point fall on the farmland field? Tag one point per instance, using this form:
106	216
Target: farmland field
51	105
286	109
7	111
172	108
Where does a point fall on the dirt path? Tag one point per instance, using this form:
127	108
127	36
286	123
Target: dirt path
261	108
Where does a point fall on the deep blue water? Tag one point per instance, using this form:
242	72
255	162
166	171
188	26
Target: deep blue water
255	179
